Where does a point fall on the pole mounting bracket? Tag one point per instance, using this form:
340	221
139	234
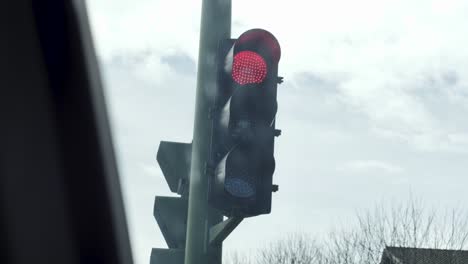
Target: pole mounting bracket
220	231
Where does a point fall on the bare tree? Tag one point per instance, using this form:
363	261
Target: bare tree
238	258
294	249
408	224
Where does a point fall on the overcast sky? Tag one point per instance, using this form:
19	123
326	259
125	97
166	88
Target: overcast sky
374	105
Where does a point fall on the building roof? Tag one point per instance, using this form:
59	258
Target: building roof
401	255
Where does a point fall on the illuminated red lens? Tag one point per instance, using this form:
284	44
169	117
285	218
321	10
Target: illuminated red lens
248	67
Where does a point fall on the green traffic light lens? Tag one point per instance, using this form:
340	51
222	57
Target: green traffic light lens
239	188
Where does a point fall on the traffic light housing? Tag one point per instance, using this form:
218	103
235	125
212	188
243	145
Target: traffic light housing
242	145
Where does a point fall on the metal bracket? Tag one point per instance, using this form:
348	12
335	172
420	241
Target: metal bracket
220	231
274	188
277	132
279	80
182	187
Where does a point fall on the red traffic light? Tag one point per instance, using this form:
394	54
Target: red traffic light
243	127
248	67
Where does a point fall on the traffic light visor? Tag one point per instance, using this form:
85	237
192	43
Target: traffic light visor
239	179
261	41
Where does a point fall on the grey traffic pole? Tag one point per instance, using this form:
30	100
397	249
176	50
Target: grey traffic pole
215	25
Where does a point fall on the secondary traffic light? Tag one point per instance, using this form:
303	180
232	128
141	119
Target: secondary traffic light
244	124
170	213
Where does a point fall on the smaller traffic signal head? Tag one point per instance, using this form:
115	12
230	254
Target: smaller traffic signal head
243	129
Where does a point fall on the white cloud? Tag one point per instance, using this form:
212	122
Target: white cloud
370	166
122	26
384	48
152	170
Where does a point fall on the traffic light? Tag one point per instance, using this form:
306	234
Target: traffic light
170	213
243	119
